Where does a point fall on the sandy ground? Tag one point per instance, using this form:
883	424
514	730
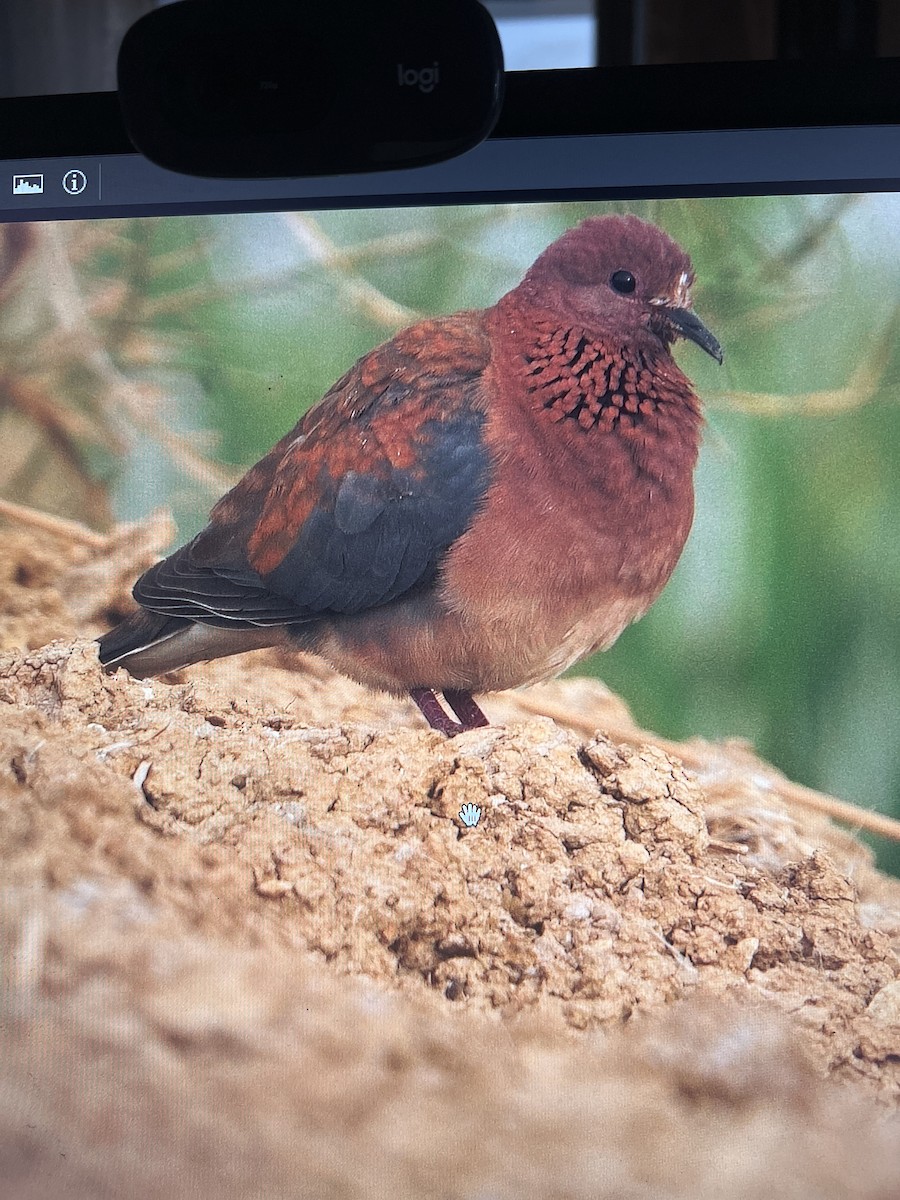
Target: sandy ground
248	948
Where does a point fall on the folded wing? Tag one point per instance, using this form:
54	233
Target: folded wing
357	505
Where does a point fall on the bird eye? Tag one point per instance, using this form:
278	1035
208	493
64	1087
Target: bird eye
622	281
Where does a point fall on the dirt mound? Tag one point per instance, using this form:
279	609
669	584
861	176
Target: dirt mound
249	947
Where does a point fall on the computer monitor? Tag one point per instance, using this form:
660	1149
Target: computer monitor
159	334
762	632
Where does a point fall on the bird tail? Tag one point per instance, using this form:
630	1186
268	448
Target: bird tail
129	643
148	643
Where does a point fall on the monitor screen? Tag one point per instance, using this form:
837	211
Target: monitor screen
220	329
520	354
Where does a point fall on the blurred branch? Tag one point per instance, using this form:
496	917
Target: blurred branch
863	386
362	294
71	339
344	259
70	531
812	236
65	424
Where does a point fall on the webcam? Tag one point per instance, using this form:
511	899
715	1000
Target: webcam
227	89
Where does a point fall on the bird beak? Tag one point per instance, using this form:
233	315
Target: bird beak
687	324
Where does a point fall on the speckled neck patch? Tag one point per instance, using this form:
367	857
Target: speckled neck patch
572	376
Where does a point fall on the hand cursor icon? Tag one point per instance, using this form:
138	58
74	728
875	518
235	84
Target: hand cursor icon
470	815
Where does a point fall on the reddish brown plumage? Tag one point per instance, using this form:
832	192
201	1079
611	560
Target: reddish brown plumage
418	359
479	502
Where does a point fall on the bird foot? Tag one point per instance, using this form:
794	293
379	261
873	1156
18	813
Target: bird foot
470	715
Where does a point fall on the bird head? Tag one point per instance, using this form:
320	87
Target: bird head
623	279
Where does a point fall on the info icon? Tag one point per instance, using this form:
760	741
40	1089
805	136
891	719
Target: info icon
74	182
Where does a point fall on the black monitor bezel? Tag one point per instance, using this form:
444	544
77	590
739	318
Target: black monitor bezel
661	99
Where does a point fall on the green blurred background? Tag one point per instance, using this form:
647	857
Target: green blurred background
780	624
